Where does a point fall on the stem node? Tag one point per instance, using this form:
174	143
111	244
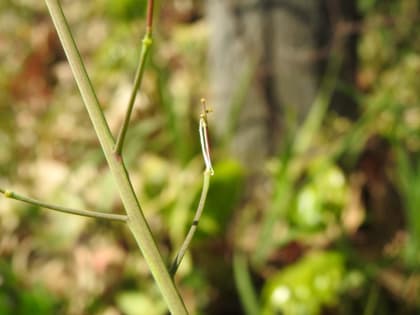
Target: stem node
8	194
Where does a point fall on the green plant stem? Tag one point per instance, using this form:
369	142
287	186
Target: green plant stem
146	43
372	300
320	106
178	258
136	220
244	285
85	213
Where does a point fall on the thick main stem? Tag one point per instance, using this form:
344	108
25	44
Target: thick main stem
136	221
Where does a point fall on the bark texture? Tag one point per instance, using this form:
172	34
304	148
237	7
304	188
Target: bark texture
266	60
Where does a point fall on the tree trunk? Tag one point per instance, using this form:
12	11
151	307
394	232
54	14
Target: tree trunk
266	61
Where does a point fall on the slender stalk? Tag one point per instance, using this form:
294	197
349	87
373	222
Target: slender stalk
244	285
136	220
146	44
205	150
320	106
149	16
372	300
194	225
85	213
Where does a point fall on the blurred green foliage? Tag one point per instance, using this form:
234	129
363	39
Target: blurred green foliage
321	199
126	9
17	298
306	286
226	187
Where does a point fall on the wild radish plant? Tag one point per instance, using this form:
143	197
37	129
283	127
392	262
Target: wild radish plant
113	151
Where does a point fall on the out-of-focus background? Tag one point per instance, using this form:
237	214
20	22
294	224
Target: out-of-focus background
315	131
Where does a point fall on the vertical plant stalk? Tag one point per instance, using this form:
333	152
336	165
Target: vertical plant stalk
146	44
136	220
244	285
205	149
319	107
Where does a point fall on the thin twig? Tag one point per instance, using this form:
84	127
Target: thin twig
85	213
194	225
205	149
204	141
136	220
145	48
149	18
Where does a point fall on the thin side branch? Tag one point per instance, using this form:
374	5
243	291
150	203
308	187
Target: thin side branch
205	150
146	44
85	213
178	259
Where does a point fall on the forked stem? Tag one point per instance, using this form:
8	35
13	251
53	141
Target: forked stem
136	220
